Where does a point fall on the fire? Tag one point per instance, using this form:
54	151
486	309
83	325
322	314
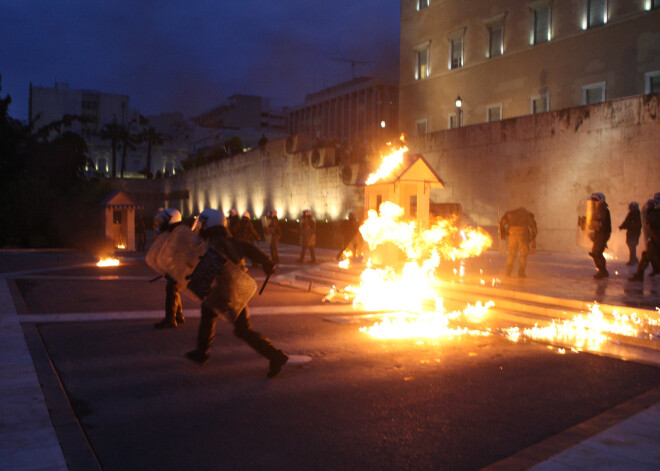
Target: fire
389	163
107	262
121	246
583	332
410	289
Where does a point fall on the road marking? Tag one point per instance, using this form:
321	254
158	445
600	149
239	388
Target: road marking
323	309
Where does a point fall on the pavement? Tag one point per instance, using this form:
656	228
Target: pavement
622	438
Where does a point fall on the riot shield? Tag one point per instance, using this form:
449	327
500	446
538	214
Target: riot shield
151	258
586	212
180	254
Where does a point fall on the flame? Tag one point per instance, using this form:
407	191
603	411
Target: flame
121	246
107	262
584	332
410	289
389	163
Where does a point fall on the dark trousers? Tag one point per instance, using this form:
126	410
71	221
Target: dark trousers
518	244
274	254
173	306
242	329
304	246
596	253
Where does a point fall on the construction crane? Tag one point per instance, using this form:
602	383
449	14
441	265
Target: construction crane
352	62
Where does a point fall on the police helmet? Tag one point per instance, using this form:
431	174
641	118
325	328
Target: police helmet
207	219
633	205
246	214
307	212
233	212
598	197
166	218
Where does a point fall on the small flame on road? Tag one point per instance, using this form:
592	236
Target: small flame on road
107	262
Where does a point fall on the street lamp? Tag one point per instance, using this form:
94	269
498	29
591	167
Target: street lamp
459	111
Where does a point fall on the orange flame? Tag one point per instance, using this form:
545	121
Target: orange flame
389	163
107	262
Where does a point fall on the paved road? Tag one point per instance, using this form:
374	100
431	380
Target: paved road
122	397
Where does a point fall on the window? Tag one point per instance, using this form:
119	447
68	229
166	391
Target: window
540	23
593	93
423	68
655	4
456	53
495	40
102	165
494	113
652	82
453	121
495	26
421	127
596	12
413	206
422	4
540	104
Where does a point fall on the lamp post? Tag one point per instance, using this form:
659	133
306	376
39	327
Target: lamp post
459	111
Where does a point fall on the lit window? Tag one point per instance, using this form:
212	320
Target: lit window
593	93
456	53
540	104
453	121
596	12
423	66
421	127
422	4
652	82
494	113
540	23
495	40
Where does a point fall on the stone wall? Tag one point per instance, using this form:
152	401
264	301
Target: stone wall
258	181
549	163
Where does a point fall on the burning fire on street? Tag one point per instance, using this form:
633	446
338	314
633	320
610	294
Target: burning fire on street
407	289
107	262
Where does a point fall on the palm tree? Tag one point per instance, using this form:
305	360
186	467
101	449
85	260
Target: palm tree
113	132
152	138
127	141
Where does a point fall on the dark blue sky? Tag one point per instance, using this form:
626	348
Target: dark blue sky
171	55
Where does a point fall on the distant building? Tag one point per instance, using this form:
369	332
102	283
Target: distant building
508	58
355	112
51	104
246	116
100	109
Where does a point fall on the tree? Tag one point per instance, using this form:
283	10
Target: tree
152	138
127	141
113	132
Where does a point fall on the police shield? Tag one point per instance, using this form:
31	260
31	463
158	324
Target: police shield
179	255
151	258
586	213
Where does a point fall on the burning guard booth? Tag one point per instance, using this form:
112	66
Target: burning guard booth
409	186
120	220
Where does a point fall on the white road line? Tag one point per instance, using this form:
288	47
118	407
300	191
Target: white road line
323	309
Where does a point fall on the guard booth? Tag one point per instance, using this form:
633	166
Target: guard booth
408	186
120	220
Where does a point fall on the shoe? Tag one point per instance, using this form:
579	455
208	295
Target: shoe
601	274
165	324
277	362
197	356
636	277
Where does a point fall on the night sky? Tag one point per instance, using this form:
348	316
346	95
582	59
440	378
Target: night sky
170	55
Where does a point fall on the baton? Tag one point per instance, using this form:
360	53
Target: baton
265	283
155	279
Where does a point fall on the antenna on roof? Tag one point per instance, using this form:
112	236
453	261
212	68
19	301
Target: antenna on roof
352	61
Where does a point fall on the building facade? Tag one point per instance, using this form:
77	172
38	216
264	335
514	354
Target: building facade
355	112
509	58
99	109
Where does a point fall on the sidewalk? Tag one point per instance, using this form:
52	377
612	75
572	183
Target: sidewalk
623	438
